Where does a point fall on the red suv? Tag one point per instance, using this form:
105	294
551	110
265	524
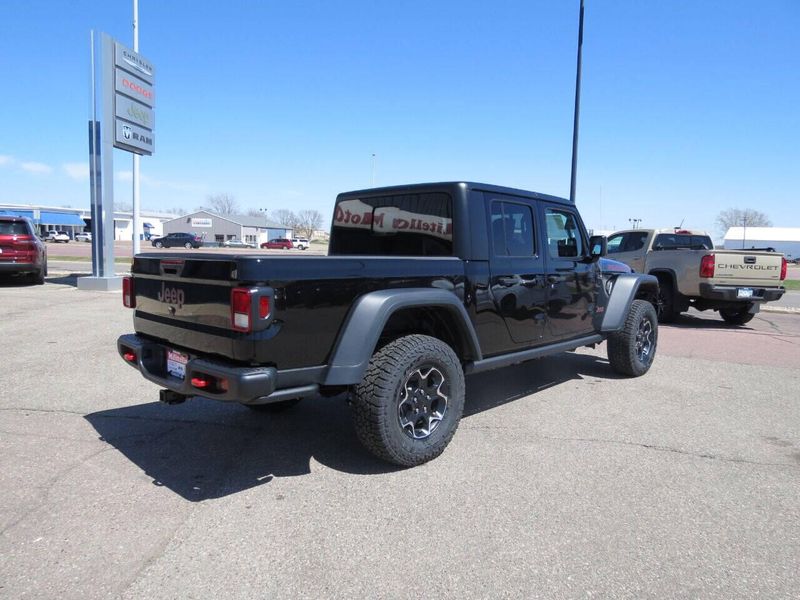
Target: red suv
278	243
21	252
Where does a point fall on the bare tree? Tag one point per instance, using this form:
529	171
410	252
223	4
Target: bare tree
737	217
254	212
284	217
175	210
222	204
308	221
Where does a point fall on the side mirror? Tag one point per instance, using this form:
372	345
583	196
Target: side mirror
598	247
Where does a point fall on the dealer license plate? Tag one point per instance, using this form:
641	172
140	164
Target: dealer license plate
744	293
176	363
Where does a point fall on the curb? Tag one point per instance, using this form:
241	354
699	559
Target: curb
787	310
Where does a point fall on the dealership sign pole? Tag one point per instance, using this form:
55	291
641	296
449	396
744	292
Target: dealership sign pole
121	116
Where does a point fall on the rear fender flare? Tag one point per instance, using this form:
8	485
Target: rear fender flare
627	287
368	317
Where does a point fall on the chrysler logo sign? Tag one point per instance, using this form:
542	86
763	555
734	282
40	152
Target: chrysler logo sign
137	62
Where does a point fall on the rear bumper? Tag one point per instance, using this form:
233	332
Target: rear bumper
729	293
19	267
247	385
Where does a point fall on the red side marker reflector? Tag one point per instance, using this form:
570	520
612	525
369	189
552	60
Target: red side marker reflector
199	382
129	356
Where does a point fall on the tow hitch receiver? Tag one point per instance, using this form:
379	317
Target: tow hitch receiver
170	397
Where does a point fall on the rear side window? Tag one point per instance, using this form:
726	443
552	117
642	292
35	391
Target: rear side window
512	229
13	228
398	225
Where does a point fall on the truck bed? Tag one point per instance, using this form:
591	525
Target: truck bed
184	299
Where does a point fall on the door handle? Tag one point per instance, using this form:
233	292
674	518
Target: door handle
532	282
509	281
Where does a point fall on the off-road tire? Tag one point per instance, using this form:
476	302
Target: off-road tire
736	316
632	349
378	399
159	244
274	407
667	311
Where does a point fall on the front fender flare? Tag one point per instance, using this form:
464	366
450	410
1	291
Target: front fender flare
369	315
626	288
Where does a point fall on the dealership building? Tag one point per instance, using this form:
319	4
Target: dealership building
782	239
219	228
76	220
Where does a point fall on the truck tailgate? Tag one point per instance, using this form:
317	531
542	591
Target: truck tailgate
187	302
747	268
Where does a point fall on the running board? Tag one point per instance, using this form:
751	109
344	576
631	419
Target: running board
505	360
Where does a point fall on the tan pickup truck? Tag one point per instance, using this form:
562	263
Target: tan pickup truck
691	273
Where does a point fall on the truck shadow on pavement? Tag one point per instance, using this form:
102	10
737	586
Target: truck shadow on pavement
203	449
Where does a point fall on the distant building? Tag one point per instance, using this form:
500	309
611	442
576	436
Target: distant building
219	228
76	220
47	218
782	239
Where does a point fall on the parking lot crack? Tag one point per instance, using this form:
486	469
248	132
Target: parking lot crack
47	487
657	448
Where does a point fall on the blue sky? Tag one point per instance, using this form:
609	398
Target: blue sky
688	108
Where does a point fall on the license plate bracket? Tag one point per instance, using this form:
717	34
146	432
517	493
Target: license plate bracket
176	363
744	293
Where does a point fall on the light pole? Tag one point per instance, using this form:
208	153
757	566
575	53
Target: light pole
744	230
634	223
577	109
136	157
372	176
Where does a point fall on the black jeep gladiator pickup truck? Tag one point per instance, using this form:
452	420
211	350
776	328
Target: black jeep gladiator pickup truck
422	284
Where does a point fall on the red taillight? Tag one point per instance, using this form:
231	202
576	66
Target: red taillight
244	310
784	266
129	355
707	266
240	309
128	292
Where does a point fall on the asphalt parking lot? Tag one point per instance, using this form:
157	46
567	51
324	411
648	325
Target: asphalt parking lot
563	481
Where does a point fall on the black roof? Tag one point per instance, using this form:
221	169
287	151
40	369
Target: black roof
485	187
